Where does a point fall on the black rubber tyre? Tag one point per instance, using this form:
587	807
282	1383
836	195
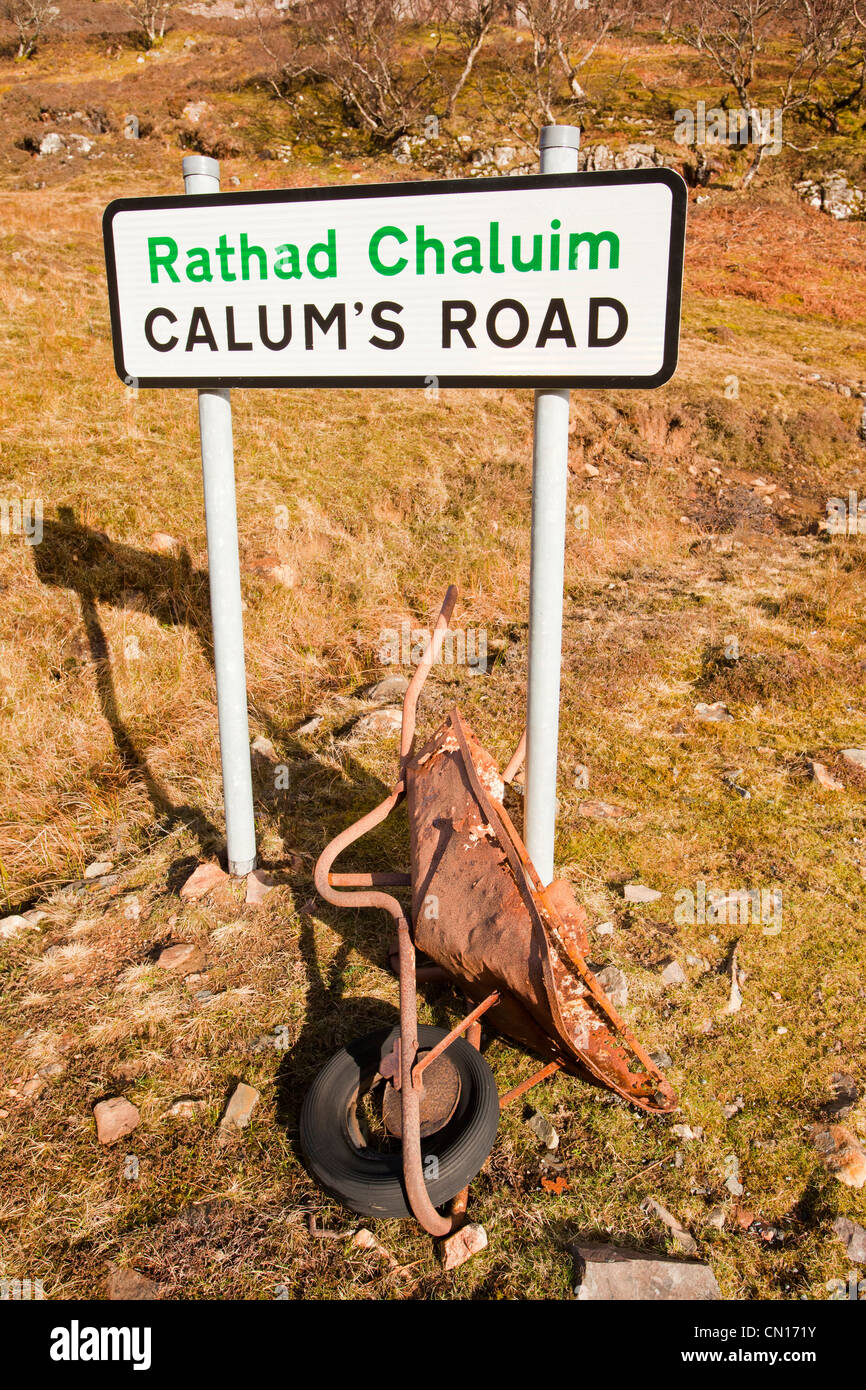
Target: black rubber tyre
368	1181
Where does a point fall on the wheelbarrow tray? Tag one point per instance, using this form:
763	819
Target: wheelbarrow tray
481	913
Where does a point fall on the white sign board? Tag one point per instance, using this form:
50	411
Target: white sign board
563	280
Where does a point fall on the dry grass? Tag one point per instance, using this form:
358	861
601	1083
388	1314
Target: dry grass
108	748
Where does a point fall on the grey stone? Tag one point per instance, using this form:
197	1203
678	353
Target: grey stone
834	194
98	869
716	713
609	1274
377	724
856	757
543	1130
683	1238
639	893
615	985
673	973
10	927
853	1237
389	688
662	1059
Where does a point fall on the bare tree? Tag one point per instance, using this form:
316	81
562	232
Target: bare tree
583	26
543	76
31	20
151	17
471	21
359	47
844	84
807	36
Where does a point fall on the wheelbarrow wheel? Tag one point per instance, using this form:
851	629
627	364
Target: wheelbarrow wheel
368	1178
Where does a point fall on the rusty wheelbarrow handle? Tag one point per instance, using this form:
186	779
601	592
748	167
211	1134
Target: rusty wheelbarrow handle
413	1174
420	674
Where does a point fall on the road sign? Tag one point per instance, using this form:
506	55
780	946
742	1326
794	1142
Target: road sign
557	280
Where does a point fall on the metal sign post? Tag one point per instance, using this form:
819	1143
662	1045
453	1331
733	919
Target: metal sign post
202	175
559	147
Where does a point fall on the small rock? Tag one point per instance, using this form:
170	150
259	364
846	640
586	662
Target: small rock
365	1240
163	543
543	1130
604	929
716	1218
673	973
186	1107
662	1059
98	869
856	757
202	880
115	1118
310	725
825	778
734	1186
608	1274
185	957
389	688
131	908
259	885
615	985
51	144
239	1111
129	1284
733	1107
590	470
844	1155
686	1131
262	751
639	893
683	1238
601	810
194	110
378	723
13	926
853	1237
713	714
461	1245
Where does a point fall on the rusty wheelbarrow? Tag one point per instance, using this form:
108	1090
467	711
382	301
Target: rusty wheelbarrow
399	1123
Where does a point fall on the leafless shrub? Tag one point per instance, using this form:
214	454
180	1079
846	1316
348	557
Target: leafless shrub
743	37
31	20
471	22
151	17
543	77
362	49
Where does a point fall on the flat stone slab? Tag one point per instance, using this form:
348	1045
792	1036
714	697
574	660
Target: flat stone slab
607	1273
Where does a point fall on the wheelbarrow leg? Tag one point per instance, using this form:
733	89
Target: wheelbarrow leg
413	1171
461	1201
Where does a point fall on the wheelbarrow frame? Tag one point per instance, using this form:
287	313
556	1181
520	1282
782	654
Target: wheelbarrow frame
402	1067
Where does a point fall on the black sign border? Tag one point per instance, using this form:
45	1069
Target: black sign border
419	188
